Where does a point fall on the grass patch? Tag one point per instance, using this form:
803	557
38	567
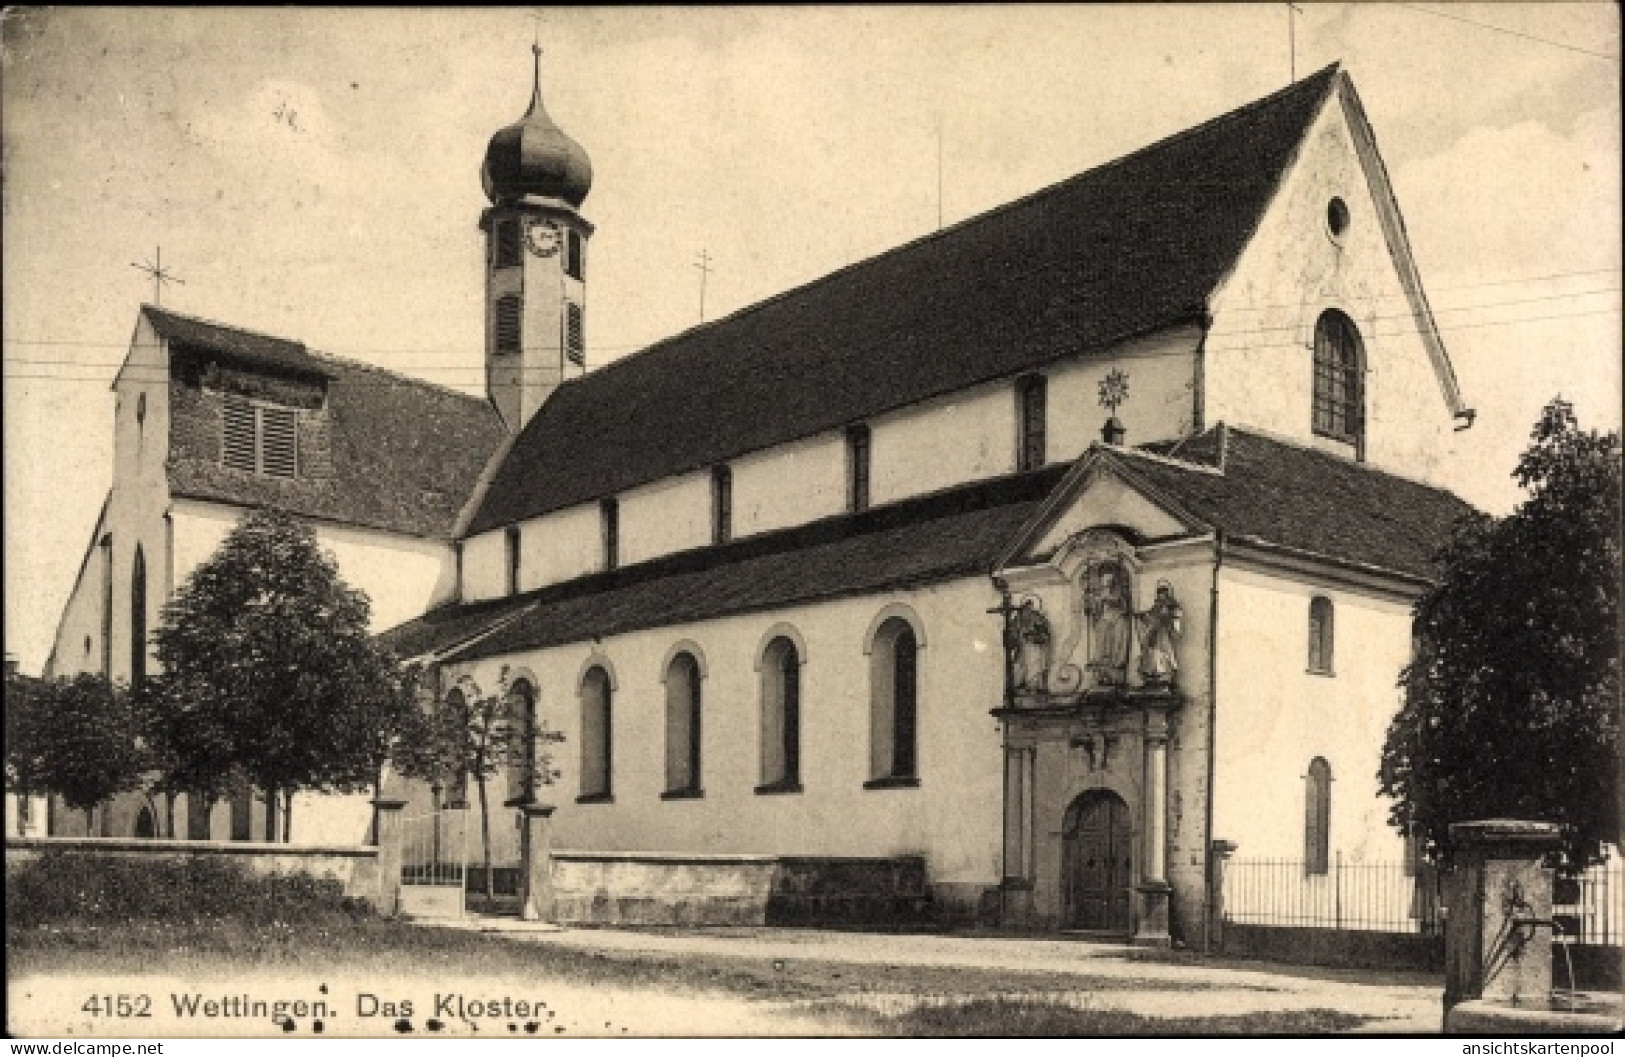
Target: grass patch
1024	1018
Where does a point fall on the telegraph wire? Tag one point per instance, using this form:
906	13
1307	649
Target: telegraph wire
1509	32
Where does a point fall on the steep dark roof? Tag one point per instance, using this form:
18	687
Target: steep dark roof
232	343
1280	493
952	533
1127	248
404	454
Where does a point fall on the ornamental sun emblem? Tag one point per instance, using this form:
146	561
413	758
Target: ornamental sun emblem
1113	390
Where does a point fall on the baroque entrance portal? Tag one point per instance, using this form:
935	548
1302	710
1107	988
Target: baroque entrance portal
1099	862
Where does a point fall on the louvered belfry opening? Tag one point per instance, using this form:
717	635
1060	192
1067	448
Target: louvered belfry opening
262	440
507	324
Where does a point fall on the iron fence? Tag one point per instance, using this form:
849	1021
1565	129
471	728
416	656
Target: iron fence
1391	897
1366	896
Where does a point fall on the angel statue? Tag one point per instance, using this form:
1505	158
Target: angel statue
1160	627
1031	634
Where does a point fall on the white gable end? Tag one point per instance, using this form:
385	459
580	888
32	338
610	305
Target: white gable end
1107	501
1259	368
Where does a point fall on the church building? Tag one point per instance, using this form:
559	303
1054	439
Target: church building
1061	549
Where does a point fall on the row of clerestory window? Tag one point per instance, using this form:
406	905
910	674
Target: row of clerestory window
894	720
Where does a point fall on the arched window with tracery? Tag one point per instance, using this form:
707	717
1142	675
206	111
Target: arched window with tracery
1339	400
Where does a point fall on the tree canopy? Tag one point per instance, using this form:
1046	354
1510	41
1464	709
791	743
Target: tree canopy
269	673
80	738
1511	702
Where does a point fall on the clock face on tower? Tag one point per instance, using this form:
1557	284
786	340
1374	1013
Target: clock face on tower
542	237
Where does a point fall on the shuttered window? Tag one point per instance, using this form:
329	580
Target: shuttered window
722	504
1030	444
575	264
575	340
263	440
506	324
857	469
505	252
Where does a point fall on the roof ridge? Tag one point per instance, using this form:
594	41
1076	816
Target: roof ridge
397	375
147	306
999	210
1166	460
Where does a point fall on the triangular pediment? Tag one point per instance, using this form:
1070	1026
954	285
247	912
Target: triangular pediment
1102	492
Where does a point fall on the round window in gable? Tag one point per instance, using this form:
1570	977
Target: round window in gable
1337	217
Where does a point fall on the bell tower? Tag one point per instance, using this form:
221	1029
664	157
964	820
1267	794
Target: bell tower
535	260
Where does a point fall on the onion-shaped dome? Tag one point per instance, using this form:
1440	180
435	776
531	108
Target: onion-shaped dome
533	156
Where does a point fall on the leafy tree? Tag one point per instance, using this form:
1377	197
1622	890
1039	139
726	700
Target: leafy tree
83	739
474	735
1512	698
269	674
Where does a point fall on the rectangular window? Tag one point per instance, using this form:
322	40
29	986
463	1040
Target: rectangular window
506	324
263	440
610	516
511	538
857	469
505	245
1030	451
575	263
722	504
575	338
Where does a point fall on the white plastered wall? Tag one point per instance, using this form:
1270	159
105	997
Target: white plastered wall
953	817
1260	349
1275	716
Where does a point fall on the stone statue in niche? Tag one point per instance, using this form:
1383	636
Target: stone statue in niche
1108	604
1030	632
1160	627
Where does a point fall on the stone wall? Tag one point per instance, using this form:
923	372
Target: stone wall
355	867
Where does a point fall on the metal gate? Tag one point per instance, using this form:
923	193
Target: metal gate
434	864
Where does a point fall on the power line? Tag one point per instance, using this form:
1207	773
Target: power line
1510	32
397	351
159	374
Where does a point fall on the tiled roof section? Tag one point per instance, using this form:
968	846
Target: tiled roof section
949	534
1128	248
235	344
1291	496
397	453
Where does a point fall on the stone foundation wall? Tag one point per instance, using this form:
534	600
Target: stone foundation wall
1343	948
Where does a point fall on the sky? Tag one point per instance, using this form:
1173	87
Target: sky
315	174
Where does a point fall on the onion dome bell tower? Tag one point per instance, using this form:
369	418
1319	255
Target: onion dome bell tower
535	260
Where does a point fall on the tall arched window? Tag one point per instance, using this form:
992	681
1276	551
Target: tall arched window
1339	402
894	694
456	716
522	777
597	736
781	717
683	726
138	618
1320	635
1317	817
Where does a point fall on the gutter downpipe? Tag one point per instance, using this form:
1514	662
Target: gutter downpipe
1212	737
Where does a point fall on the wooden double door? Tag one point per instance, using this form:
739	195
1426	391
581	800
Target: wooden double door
1098	863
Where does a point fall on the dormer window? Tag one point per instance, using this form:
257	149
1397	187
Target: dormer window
256	438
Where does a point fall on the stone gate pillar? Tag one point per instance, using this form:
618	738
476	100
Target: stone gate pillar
388	836
536	863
